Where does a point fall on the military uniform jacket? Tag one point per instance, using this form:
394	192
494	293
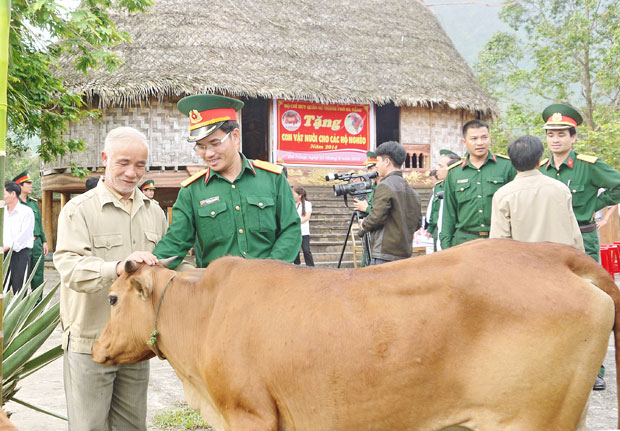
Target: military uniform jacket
584	176
252	217
468	194
38	225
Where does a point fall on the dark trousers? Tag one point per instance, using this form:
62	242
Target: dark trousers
305	248
18	268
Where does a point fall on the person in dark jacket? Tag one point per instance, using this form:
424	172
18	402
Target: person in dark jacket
396	209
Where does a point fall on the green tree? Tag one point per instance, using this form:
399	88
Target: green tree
559	51
42	32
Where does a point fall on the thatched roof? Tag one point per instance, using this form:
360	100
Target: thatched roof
346	51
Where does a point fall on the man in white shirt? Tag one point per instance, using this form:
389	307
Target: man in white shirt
18	234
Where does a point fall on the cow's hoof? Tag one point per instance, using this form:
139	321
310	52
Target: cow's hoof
600	384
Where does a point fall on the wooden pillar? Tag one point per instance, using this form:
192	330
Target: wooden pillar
169	216
47	198
64	198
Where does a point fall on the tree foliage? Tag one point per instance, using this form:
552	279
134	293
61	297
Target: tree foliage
558	51
41	32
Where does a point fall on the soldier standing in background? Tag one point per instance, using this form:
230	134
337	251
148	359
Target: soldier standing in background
470	185
584	175
39	246
434	210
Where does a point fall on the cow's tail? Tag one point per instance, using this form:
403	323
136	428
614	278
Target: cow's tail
584	266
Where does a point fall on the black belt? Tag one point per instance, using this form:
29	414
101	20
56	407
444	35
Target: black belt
587	228
474	233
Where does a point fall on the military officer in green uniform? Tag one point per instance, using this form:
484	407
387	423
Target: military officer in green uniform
434	211
39	247
148	188
236	206
584	175
470	185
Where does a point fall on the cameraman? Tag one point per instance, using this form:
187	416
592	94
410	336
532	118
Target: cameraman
396	210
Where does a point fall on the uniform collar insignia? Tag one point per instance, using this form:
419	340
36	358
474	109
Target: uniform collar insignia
570	162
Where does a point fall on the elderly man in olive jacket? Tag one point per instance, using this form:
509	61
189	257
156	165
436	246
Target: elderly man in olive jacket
396	209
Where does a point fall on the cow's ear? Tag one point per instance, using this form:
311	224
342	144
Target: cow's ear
143	286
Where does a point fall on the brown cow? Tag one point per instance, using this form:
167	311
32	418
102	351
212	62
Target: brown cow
5	422
491	335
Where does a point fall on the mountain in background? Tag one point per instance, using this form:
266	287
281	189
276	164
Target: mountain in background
469	26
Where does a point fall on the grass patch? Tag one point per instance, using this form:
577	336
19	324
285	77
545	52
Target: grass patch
180	419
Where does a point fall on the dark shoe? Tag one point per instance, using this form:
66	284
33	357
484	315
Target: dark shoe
600	384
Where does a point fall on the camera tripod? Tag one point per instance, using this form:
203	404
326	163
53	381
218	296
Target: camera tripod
355	217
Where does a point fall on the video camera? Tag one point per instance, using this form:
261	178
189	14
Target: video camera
357	189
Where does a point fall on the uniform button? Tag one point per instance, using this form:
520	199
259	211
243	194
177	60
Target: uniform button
237	207
240	230
495	182
479	211
482	225
557	175
478	170
260	204
478	183
107	244
462	189
479	196
212	212
574	191
234	186
245	252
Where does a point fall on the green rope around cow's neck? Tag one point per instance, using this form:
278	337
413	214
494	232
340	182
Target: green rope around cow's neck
153	340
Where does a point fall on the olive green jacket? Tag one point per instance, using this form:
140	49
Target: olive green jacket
584	176
252	217
468	194
38	224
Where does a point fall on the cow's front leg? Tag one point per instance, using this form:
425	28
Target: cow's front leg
241	419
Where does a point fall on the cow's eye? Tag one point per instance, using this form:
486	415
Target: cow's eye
112	299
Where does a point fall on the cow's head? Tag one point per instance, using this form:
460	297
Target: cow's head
132	314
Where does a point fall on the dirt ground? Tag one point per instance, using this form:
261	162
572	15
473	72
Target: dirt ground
45	389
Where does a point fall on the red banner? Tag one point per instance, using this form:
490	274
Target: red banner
315	134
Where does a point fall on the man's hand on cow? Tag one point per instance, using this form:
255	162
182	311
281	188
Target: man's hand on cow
138	257
360	205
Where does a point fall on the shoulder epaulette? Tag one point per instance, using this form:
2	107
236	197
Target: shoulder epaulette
455	164
276	169
194	177
587	158
544	161
503	156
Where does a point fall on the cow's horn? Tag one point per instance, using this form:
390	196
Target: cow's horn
130	266
168	261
